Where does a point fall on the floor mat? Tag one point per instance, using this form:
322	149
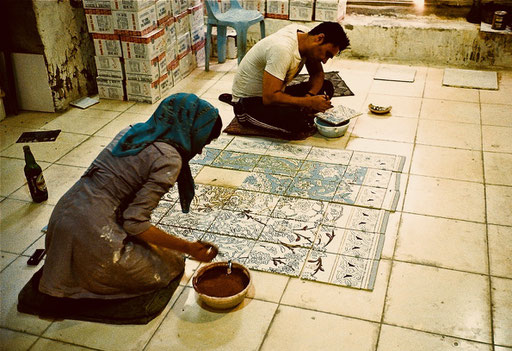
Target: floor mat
43	136
464	78
398	74
303	211
340	87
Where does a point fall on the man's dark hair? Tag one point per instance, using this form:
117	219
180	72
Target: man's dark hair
333	33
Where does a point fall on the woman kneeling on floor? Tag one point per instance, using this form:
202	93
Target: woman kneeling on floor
105	261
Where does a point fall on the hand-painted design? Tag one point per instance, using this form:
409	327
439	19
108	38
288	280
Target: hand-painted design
220	143
361	244
378	161
304	210
239	224
371	197
288	150
377	178
351	217
210	197
172	195
355	174
183	233
346	193
276	258
160	210
328	239
206	157
335	156
323	171
278	165
355	272
236	160
195	169
319	266
199	219
230	248
312	189
338	114
267	183
249	145
289	232
252	202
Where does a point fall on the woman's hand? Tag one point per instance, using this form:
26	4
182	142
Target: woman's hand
203	251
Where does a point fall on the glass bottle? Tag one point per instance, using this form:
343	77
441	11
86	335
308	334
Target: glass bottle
34	175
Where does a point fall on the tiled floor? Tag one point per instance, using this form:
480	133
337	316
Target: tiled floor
445	278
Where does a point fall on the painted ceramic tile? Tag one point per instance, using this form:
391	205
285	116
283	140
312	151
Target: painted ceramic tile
328	239
278	165
338	114
377	178
200	219
239	224
230	248
220	143
172	195
355	174
206	157
360	195
379	161
249	145
210	197
277	258
266	183
321	154
289	232
304	210
312	189
252	202
351	217
236	160
356	243
319	266
355	272
160	210
323	171
346	193
289	150
183	233
195	169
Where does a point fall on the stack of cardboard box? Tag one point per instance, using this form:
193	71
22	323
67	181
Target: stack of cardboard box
144	47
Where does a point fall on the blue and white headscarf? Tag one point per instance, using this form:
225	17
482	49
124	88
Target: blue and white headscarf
181	120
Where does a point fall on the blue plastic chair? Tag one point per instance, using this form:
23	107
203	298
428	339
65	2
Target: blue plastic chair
236	17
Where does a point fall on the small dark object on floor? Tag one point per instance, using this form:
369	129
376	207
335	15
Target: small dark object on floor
235	128
134	310
36	257
30	137
226	98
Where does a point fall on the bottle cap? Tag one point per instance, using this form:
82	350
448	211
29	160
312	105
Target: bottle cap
26	147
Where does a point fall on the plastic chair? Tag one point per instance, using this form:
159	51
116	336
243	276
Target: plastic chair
236	17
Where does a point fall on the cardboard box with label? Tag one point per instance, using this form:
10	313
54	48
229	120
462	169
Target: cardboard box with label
107	45
109	67
135	23
131	5
96	4
182	22
99	21
165	83
278	9
197	35
146	46
170	31
196	17
173	69
146	70
186	64
199	53
148	92
184	44
109	88
330	10
163	11
301	10
255	5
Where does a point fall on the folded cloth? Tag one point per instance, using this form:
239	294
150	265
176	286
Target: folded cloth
135	310
236	128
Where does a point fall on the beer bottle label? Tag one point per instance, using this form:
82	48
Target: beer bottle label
40	183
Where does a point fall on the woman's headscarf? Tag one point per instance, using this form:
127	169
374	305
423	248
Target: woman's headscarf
183	121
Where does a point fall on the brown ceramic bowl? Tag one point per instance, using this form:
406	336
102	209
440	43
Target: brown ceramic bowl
218	289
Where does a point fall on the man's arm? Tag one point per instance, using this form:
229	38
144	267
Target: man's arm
316	76
272	95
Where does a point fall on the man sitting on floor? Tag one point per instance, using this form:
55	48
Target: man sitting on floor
260	95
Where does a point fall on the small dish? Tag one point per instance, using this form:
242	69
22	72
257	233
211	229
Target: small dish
331	131
380	110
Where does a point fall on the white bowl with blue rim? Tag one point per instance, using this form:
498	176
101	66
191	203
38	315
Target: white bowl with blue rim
331	131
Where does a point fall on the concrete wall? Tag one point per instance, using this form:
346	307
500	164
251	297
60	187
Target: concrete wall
421	40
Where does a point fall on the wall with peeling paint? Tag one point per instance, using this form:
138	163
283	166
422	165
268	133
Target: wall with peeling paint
68	50
417	40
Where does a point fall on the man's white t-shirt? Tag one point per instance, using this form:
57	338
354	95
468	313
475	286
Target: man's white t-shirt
278	54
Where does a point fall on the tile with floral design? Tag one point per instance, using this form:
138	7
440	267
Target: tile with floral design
230	247
336	156
239	224
220	143
206	157
236	160
278	165
210	196
319	266
355	272
183	233
358	218
312	189
287	231
349	242
199	219
195	169
305	210
160	210
378	161
288	150
252	202
249	145
266	183
322	171
277	258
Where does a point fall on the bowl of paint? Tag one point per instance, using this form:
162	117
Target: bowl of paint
222	285
329	130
